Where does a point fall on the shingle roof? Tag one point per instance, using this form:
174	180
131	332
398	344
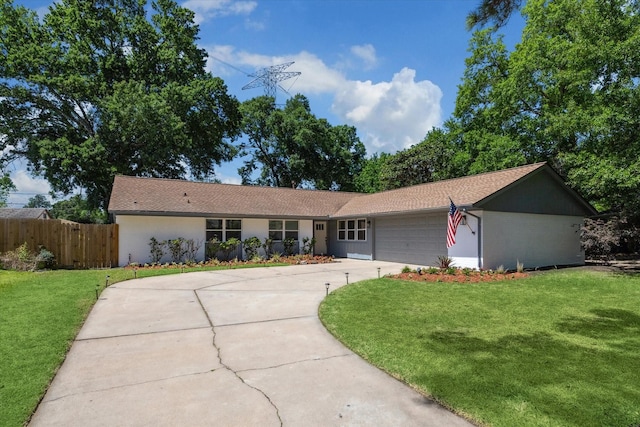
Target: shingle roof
168	196
177	197
466	191
24	213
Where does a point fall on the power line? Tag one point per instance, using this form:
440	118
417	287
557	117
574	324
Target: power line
229	65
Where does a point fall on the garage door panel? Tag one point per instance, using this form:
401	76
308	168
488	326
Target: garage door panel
411	239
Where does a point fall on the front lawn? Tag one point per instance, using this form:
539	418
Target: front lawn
40	315
555	349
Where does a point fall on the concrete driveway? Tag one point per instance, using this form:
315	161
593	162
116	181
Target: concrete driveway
227	348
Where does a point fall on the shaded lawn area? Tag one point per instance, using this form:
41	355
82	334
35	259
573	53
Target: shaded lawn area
556	349
40	315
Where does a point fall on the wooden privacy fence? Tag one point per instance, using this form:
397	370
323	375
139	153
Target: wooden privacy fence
74	245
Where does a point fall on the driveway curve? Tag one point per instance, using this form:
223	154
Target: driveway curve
227	348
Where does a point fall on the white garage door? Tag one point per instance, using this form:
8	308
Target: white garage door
417	239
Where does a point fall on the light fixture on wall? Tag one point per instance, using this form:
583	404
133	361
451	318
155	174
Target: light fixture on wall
463	221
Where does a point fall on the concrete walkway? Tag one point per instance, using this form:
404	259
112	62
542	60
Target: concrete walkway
227	348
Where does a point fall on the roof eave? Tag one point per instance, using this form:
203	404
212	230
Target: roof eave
214	215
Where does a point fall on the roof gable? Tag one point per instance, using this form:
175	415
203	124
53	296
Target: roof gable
525	196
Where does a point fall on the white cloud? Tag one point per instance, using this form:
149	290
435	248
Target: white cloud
27	187
228	179
389	115
208	9
366	53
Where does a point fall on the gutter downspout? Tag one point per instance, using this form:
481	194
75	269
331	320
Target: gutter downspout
479	236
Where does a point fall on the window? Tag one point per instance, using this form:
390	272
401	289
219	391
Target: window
352	229
214	229
224	229
291	230
280	229
233	228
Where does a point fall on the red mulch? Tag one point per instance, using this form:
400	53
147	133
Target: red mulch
459	276
294	259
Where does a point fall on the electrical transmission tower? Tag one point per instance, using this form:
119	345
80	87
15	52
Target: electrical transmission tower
269	77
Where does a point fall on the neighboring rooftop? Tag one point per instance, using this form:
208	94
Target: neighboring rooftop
24	213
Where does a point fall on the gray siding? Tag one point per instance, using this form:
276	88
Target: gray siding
349	249
416	239
541	193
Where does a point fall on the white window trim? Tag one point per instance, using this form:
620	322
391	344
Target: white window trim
284	230
224	227
355	230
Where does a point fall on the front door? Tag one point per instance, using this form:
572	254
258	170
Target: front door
320	234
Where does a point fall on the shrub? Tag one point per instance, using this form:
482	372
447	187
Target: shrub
600	238
21	259
251	246
268	247
406	269
45	259
157	250
275	257
519	266
191	249
432	270
445	261
308	245
288	246
229	246
501	269
212	248
176	249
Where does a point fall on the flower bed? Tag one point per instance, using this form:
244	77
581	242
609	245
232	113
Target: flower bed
458	275
293	259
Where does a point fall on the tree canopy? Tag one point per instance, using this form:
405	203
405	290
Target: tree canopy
5	187
78	209
38	201
291	147
496	12
569	94
100	88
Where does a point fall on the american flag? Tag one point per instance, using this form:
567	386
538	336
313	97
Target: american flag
452	225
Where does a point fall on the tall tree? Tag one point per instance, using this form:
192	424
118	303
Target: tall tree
496	12
569	93
6	186
369	180
38	201
430	160
78	209
291	147
97	89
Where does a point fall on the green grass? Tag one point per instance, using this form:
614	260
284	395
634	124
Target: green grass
40	315
556	349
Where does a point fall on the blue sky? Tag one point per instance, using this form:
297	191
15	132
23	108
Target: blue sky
389	68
